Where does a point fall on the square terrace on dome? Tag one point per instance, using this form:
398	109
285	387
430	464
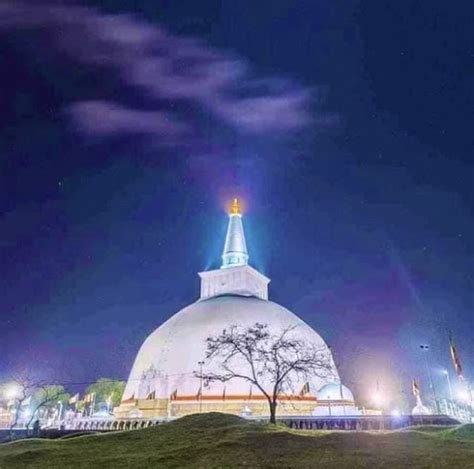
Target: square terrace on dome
243	280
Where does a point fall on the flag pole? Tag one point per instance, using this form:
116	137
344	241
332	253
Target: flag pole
471	410
459	372
168	409
425	348
200	363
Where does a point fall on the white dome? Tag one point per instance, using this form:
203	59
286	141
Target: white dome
169	357
332	392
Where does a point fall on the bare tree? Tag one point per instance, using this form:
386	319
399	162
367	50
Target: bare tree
22	389
34	393
272	363
44	396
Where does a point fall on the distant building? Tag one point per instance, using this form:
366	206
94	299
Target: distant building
5	417
335	399
163	383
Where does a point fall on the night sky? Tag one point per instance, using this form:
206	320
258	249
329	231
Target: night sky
345	127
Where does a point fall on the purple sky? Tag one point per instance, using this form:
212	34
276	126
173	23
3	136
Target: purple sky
345	127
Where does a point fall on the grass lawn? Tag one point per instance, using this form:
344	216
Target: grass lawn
217	440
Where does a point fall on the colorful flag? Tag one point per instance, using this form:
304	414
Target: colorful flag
456	361
304	389
415	388
89	398
74	399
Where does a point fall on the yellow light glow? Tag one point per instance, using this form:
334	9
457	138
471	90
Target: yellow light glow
235	208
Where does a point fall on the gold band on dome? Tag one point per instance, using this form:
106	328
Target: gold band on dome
231	397
242	397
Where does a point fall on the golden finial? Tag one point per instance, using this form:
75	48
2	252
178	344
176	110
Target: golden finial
235	207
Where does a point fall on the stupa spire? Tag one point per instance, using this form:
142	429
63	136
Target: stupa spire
235	249
236	276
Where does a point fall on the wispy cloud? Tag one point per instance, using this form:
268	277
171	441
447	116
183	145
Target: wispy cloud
166	68
106	118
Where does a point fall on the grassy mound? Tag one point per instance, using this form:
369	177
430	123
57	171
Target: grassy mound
76	435
209	420
463	431
427	428
218	440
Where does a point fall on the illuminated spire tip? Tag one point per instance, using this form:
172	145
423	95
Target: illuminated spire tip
235	249
235	208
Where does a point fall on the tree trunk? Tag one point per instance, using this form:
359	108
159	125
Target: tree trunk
273	407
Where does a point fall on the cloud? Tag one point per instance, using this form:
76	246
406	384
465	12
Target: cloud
266	113
108	118
166	68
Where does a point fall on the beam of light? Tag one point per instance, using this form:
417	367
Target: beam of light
397	262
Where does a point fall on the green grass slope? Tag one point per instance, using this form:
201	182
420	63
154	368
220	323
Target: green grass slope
217	440
463	431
